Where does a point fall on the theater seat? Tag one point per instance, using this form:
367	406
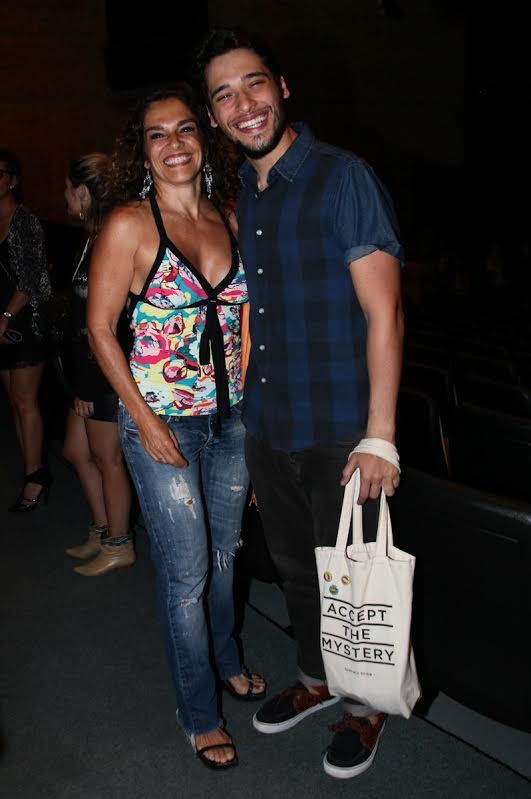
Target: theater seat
419	434
482	348
494	395
523	365
472	594
431	339
431	356
435	381
489	368
492	451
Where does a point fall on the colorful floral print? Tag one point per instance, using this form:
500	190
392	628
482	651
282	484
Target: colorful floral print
167	325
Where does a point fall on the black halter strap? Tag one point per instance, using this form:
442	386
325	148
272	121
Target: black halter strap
157	215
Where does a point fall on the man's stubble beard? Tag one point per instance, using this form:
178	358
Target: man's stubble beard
266	147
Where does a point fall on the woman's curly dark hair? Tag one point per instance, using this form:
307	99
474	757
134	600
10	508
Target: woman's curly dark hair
128	171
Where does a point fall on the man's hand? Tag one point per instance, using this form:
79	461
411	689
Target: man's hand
159	441
375	474
83	408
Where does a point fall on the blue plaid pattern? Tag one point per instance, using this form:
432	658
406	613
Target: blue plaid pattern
324	207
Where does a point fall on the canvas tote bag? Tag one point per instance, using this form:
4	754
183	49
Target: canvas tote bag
366	598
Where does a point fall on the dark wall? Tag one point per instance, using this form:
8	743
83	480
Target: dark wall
498	135
139	53
385	79
54	99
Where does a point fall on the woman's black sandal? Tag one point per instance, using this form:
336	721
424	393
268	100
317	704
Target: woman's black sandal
212	763
25	504
249	695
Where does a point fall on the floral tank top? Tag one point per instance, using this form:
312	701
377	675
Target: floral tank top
186	354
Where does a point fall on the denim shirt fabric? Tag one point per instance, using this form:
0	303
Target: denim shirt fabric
323	208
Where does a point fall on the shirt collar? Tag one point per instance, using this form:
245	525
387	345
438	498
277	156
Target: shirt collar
288	164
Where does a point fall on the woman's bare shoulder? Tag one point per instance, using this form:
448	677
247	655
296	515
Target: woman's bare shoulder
129	219
132	213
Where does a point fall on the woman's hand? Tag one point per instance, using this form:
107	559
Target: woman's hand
83	408
159	441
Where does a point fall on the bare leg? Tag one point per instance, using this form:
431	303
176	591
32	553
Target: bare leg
76	450
5	377
23	392
104	443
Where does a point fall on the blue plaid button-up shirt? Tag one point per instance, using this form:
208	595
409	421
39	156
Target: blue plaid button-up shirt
323	208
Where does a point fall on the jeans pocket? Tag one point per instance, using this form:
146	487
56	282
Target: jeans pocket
125	423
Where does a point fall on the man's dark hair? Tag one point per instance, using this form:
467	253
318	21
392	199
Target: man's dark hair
222	40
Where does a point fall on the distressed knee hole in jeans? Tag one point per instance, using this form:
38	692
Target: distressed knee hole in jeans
180	492
185	603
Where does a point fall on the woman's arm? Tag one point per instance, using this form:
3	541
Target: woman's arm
14	305
112	269
27	260
18	300
27	257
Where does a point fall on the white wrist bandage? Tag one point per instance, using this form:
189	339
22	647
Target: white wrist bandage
379	447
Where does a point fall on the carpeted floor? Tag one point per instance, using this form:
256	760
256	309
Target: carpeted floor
86	699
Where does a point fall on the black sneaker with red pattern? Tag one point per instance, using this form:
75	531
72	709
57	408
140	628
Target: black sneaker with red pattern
291	706
353	746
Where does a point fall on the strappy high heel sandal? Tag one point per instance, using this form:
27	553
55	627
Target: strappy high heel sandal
25	504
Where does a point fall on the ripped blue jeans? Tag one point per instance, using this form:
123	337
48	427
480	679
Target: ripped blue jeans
193	517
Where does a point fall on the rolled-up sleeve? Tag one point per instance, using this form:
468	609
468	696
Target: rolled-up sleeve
364	217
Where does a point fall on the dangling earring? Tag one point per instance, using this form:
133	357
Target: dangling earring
82	212
207	172
146	186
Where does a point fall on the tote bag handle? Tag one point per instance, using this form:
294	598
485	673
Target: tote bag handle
351	512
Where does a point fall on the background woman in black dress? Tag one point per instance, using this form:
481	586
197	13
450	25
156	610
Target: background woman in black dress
92	443
24	285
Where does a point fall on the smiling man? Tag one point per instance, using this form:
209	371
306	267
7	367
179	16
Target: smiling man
319	242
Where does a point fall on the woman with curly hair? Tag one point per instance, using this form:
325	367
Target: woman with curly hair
172	255
24	285
92	443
